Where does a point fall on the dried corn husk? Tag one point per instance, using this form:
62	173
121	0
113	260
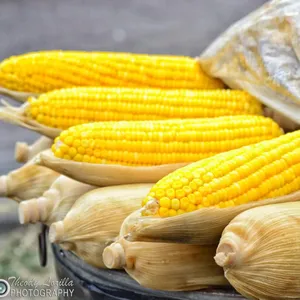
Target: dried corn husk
55	203
16	116
95	220
166	266
29	181
202	227
259	251
25	152
105	175
18	96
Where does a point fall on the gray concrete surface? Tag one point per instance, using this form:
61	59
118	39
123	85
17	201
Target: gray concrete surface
154	26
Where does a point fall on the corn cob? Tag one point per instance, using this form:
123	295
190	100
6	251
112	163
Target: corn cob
41	72
62	109
265	170
95	220
147	143
25	152
68	107
166	266
259	251
54	204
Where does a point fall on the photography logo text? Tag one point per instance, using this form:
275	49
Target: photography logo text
20	288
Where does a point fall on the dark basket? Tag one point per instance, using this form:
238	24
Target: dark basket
92	283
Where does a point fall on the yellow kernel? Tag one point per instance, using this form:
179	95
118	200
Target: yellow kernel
191	207
180	212
159	193
187	190
192	198
177	184
205	202
198	197
68	140
165	202
64	148
193	186
72	151
163	212
81	150
172	213
58	153
76	143
67	157
170	193
184	203
78	157
86	158
175	204
89	151
180	194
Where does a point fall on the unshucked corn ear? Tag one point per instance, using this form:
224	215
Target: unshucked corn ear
95	220
57	110
260	171
44	71
25	152
166	266
55	203
109	153
201	227
259	251
27	182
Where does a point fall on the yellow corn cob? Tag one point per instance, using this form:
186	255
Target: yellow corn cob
69	107
251	173
161	142
45	71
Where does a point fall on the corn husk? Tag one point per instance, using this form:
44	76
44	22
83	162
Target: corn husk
29	181
55	203
18	96
259	251
25	152
166	266
202	227
95	220
105	175
17	116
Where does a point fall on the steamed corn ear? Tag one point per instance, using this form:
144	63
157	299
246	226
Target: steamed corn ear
144	151
166	266
25	152
202	227
27	182
259	251
54	204
61	109
95	220
252	173
68	107
44	71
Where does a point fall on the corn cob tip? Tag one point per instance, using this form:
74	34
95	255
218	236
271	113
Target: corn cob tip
28	212
56	232
3	185
114	256
21	152
226	255
150	207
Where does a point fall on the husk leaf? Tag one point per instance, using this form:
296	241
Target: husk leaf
166	266
202	227
102	174
95	220
259	251
25	152
17	116
55	203
29	181
18	96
